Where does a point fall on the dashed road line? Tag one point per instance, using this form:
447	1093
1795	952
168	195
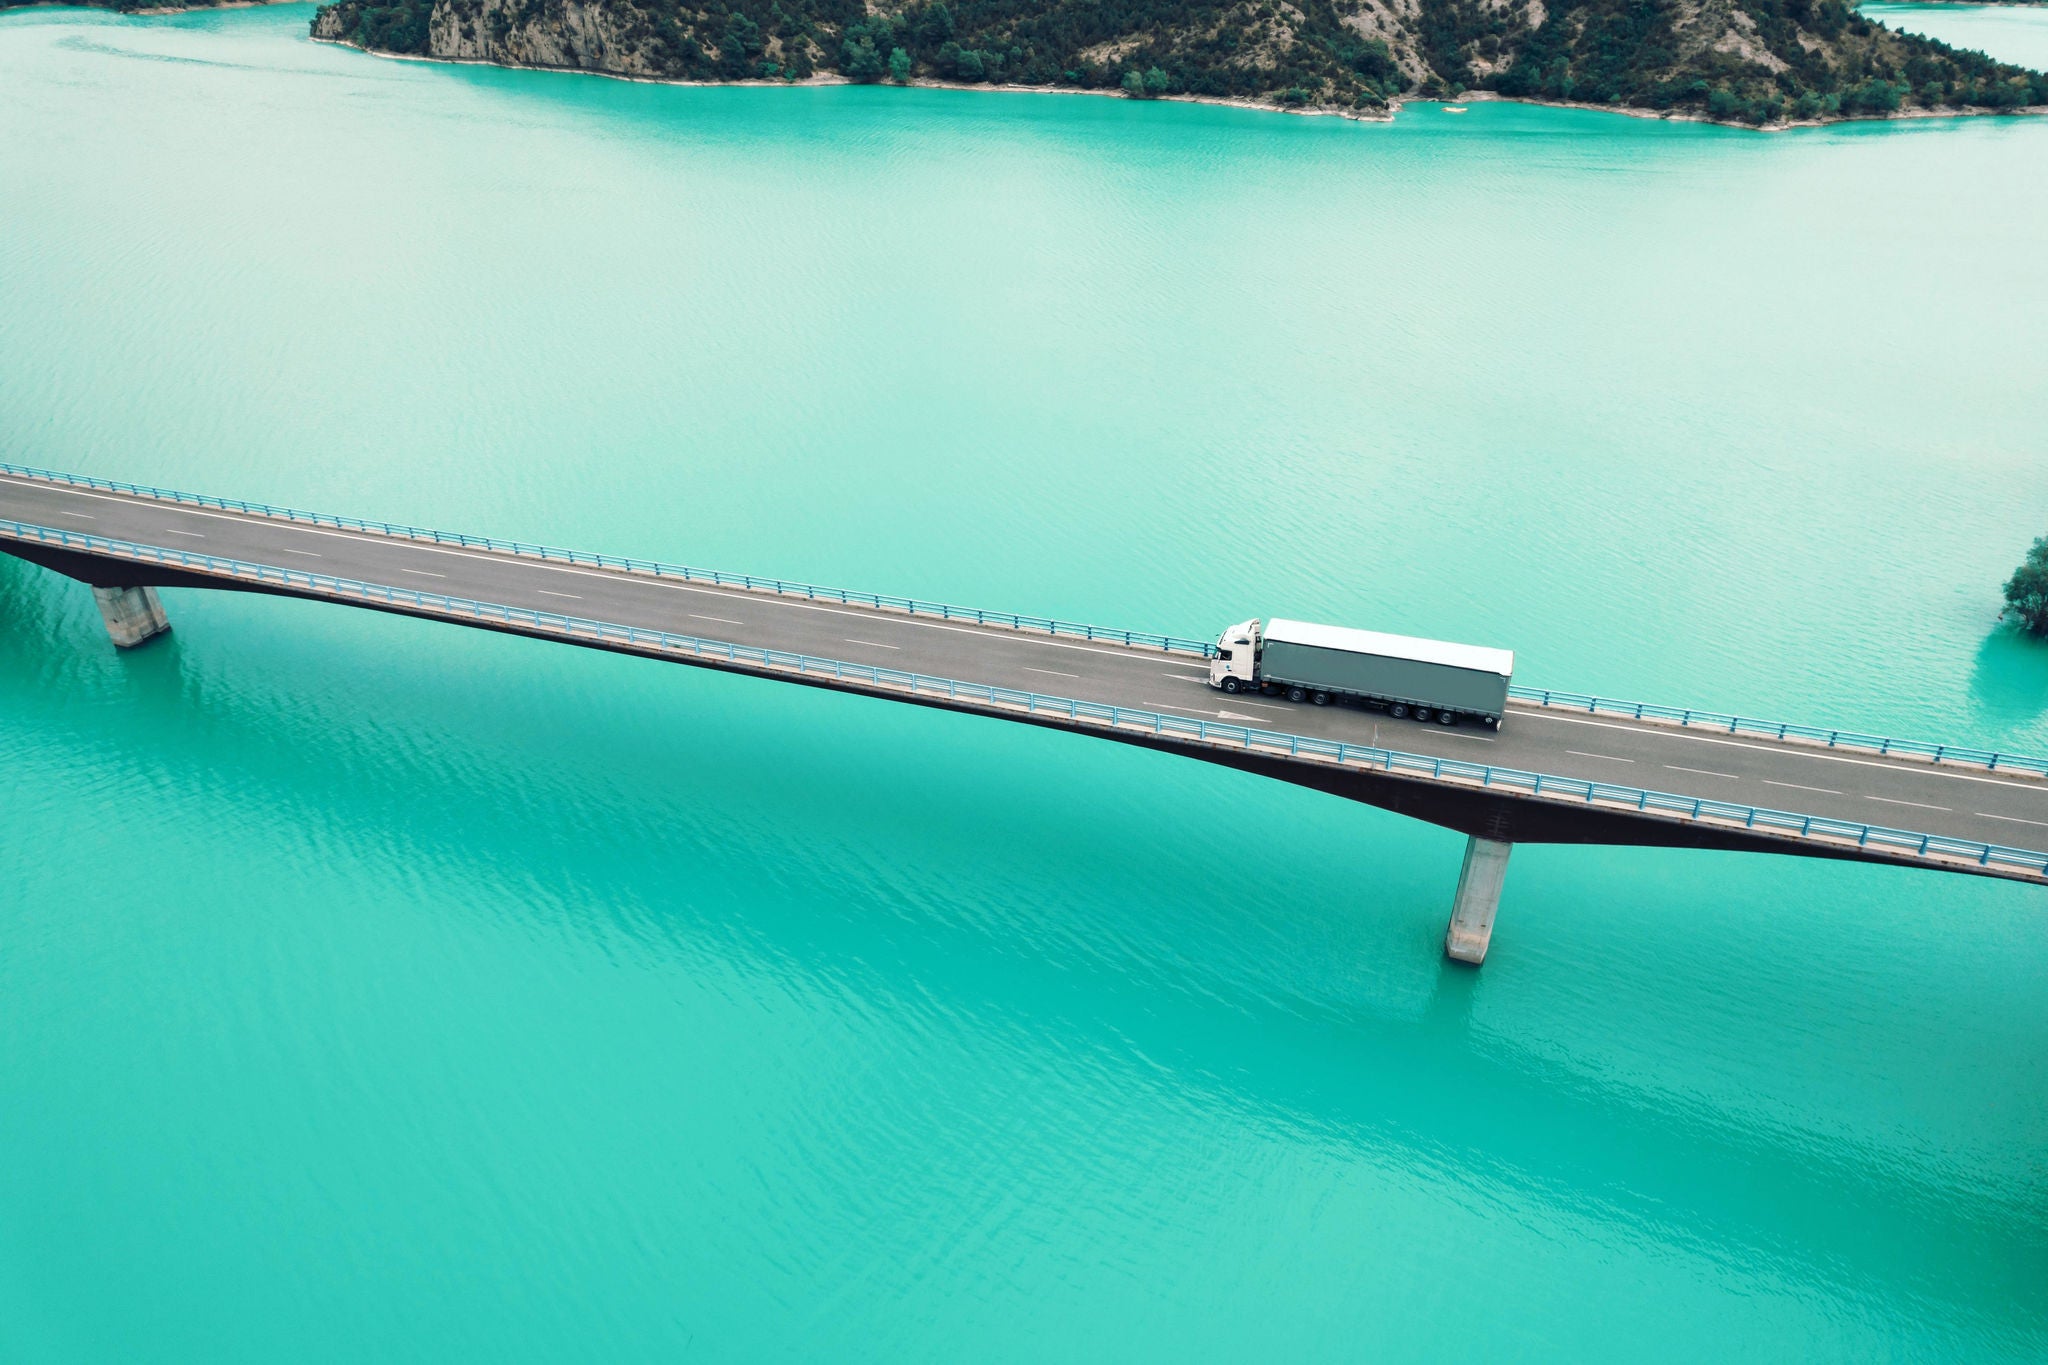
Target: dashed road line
307	553
1801	787
722	620
871	644
1052	672
82	516
1920	805
169	531
1162	706
423	573
1581	753
570	595
2012	819
1703	772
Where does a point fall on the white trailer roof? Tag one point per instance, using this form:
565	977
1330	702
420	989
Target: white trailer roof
1478	658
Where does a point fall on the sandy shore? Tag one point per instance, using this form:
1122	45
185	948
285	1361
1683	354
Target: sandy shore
1356	115
1783	125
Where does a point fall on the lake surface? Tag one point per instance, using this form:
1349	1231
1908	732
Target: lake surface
374	990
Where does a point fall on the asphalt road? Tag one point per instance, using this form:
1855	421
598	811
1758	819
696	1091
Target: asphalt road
1865	788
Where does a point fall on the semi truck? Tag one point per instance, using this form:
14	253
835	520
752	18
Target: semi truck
1431	680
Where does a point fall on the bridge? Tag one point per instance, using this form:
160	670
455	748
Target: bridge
1562	768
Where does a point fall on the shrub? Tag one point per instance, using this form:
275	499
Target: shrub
2026	592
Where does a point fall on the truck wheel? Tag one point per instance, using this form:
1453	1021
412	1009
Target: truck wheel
1398	711
1447	718
1422	714
1321	699
1230	685
1296	694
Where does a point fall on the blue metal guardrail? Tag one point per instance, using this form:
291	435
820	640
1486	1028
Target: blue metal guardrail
1772	729
1035	703
1044	625
1576	701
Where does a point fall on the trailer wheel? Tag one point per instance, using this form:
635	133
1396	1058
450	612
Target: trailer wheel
1321	699
1296	694
1447	717
1398	711
1422	714
1230	685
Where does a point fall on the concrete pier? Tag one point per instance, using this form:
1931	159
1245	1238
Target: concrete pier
133	615
1471	927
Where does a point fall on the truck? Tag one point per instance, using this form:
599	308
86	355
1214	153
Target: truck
1431	680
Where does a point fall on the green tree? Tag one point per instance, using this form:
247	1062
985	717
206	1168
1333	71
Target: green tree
1157	82
899	65
861	62
1134	84
2026	592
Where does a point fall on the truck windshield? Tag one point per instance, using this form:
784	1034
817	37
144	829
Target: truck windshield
1223	654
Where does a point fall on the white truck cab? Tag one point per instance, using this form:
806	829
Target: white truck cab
1235	667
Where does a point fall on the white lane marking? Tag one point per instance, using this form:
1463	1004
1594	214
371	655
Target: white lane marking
1232	715
1162	706
1922	805
722	620
1609	757
610	575
1789	750
1257	706
1824	791
1052	672
1182	677
1703	772
82	516
423	573
170	532
1473	739
307	553
570	595
871	644
2013	819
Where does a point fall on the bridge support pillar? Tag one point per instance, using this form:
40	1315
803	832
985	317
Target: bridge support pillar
133	615
1471	927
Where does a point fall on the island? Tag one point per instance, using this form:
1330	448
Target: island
1765	63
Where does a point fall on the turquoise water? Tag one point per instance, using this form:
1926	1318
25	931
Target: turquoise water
2011	33
373	990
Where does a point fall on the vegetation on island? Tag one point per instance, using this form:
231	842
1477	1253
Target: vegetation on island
2026	592
1736	61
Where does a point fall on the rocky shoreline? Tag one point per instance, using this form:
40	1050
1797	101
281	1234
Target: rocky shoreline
1386	115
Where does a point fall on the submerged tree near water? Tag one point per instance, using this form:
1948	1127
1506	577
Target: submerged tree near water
2026	592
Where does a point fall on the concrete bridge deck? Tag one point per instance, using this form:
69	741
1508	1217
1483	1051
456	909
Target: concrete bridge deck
1949	802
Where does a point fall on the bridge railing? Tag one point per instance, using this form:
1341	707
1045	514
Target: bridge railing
1782	730
913	606
1120	718
1044	625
